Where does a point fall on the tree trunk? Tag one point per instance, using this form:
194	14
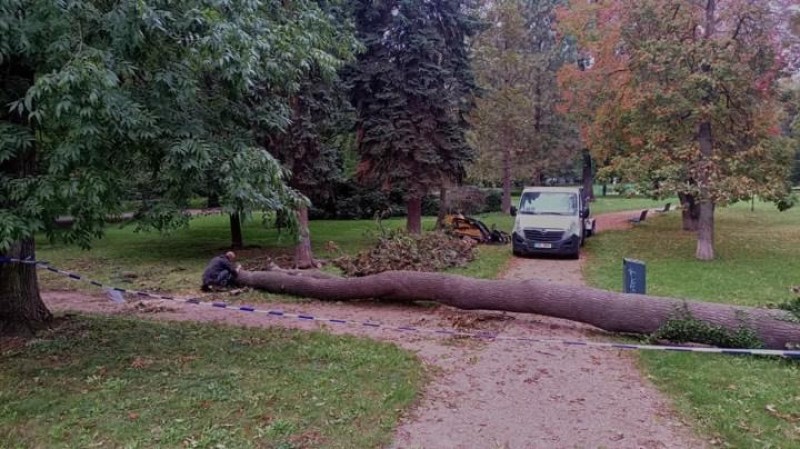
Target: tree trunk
506	204
414	220
236	230
705	232
614	312
303	258
21	308
442	207
690	212
605	189
213	200
588	175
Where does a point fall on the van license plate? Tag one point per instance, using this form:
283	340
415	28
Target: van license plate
543	245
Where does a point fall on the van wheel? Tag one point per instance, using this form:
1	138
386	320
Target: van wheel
576	255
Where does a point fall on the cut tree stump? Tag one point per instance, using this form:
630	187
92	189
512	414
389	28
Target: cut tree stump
611	311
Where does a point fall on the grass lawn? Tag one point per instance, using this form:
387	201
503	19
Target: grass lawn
113	382
758	256
174	262
610	203
746	402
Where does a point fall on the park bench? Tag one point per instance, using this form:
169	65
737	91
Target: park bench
665	209
640	218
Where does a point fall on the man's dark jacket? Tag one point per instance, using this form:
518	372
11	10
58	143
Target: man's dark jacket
217	266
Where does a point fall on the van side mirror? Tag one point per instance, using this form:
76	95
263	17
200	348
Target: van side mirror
513	211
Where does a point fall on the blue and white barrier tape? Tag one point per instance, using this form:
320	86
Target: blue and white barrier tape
196	300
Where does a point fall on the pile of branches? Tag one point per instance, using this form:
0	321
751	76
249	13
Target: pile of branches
432	251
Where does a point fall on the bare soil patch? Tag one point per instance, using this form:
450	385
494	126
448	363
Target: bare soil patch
483	394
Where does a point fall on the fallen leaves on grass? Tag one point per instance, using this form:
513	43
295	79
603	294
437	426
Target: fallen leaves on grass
151	307
789	417
141	362
473	320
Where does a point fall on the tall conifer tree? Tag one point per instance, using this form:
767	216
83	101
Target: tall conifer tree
412	87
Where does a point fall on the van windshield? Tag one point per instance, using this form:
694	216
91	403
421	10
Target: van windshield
548	203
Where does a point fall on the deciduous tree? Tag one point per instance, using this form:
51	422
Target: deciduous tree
517	130
95	91
321	116
692	110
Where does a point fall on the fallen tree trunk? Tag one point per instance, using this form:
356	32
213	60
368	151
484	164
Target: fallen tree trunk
614	312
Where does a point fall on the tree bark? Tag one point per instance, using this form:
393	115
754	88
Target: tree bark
21	308
614	312
705	232
506	204
588	175
303	257
236	230
537	179
213	200
414	219
690	212
22	311
442	207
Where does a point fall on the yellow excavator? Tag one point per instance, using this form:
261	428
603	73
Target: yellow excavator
468	227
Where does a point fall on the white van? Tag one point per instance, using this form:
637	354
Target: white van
551	220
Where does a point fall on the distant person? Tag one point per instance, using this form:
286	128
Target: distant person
220	272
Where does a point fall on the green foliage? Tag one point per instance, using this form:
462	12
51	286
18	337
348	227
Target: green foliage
792	306
322	119
115	382
683	102
412	87
725	78
472	200
516	120
430	205
154	93
433	251
683	328
494	200
787	202
790	102
349	199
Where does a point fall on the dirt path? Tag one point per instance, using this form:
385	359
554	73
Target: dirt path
487	395
511	396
